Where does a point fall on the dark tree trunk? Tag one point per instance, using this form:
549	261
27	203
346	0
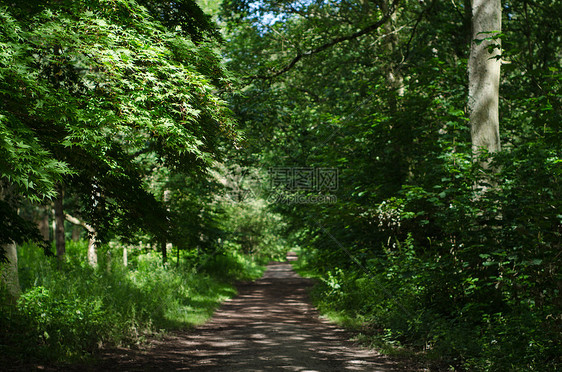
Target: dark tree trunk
76	234
9	278
43	223
164	252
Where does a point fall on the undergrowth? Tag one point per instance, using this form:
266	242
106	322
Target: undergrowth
67	312
394	307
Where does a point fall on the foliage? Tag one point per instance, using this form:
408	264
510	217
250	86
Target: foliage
101	95
69	314
121	104
255	230
412	250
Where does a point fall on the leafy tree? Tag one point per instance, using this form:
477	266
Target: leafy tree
99	95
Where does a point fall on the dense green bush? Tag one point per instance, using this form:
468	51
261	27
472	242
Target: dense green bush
476	298
404	301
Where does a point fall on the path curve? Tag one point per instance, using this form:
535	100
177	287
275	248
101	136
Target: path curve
269	326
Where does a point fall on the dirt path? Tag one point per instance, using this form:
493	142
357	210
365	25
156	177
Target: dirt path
269	326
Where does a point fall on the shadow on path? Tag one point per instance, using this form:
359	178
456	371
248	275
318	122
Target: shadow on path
269	326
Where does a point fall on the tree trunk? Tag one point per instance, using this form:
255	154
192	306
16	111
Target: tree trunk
484	76
163	247
9	271
92	242
43	223
9	278
394	77
164	244
401	144
125	259
92	251
59	226
53	226
108	261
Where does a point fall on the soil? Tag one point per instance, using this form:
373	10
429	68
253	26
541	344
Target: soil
269	326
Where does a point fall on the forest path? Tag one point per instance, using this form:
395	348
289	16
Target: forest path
269	326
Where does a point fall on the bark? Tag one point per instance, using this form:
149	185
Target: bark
394	77
43	223
484	77
163	247
109	263
92	251
125	258
59	226
92	242
76	234
53	226
164	244
9	278
395	83
9	270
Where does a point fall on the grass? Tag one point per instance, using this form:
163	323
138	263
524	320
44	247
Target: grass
67	312
360	326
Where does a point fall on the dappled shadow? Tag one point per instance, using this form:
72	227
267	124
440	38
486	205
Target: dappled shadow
269	326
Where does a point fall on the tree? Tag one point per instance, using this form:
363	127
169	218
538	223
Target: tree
27	167
92	253
95	96
9	279
484	75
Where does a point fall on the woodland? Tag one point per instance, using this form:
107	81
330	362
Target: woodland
153	153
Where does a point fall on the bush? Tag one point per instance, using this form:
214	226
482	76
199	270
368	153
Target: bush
457	317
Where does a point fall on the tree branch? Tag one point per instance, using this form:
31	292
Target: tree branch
331	43
418	20
76	221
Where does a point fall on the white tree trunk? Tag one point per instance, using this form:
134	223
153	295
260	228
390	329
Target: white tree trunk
92	251
92	242
125	260
60	240
484	76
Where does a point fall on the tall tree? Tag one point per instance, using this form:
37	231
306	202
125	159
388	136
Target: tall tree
484	75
